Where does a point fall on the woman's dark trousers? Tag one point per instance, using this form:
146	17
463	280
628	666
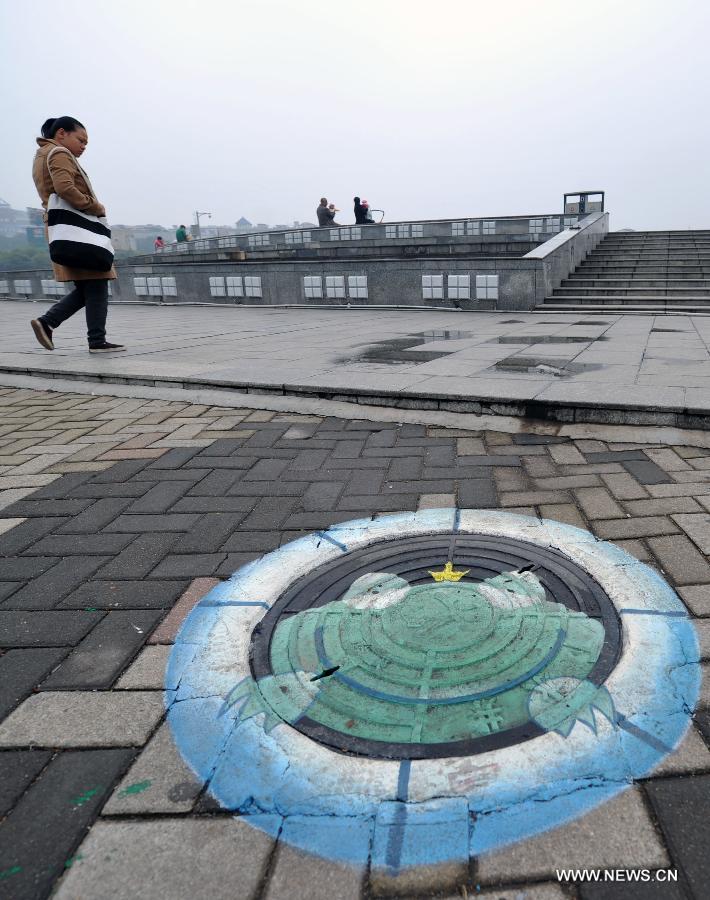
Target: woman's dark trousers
92	295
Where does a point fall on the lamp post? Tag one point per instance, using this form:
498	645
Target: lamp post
197	221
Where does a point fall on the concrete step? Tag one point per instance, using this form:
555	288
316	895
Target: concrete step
625	272
632	292
636	235
623	300
550	305
586	281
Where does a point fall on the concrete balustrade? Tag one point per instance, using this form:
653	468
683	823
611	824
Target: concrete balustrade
444	279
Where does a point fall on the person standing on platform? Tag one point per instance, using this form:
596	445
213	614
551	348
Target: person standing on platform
181	234
56	171
158	243
326	214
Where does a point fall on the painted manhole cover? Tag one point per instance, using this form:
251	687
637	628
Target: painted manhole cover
474	674
445	649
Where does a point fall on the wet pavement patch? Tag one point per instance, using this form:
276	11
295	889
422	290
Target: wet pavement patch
540	365
399	350
548	339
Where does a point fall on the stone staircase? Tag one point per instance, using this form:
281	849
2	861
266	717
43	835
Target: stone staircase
640	272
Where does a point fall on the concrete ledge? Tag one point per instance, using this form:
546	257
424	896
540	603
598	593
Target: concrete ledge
620	412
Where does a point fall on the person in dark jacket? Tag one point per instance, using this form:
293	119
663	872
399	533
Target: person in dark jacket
360	212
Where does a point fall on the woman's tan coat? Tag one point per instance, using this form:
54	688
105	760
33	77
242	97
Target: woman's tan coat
62	176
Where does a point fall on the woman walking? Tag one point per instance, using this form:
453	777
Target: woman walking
56	171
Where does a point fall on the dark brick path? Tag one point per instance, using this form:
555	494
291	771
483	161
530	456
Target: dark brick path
98	549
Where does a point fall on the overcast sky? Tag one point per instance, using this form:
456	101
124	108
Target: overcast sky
427	108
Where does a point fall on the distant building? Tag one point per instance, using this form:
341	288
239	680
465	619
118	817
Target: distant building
243	225
13	222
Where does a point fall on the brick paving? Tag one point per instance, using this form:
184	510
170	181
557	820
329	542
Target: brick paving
117	515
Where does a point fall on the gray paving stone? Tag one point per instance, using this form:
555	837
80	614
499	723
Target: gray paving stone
173	459
563	512
147	672
680	559
117	855
139	558
681	806
104	652
662	506
124	595
62	487
268	469
322	495
125	470
48	628
597	503
64	800
624	486
210	533
188	565
22	670
697	527
565	482
298	874
682	489
83	719
79	545
31	508
214	504
22	568
691	755
366	481
545	891
631	528
126	489
159	781
98	515
615	456
646	472
260	541
617	834
28	533
153	523
697	598
8	588
382	503
477	493
437	501
635	548
534	498
18	769
664	889
566	454
270	512
404	468
46	591
160	498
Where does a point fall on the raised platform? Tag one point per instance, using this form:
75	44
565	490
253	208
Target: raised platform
640	370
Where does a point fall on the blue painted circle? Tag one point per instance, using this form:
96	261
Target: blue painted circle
284	783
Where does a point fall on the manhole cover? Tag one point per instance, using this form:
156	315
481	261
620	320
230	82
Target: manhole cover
425	648
405	675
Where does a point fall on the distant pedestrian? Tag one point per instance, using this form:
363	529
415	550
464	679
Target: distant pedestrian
181	234
368	220
326	214
58	175
158	243
359	212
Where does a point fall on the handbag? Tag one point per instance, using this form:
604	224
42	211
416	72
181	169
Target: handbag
77	239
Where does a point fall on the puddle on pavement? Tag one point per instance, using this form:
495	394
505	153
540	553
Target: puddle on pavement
548	339
428	337
539	365
592	322
397	351
674	330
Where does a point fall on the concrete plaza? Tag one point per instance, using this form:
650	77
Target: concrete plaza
634	369
122	505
